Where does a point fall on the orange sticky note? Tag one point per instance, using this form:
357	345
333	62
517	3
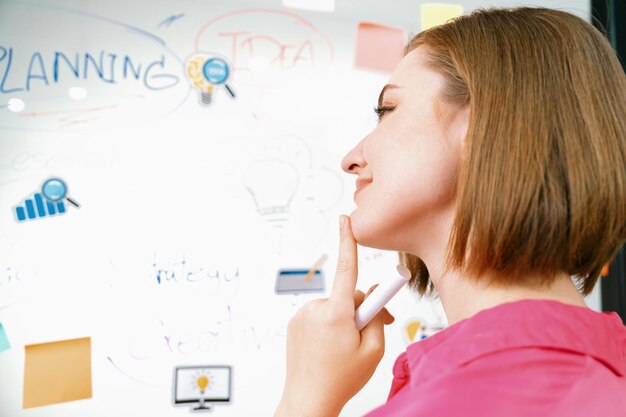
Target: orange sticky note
378	47
434	14
57	372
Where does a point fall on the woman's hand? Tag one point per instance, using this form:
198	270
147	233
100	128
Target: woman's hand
328	359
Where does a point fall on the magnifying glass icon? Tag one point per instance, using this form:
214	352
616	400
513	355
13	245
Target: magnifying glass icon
217	71
54	189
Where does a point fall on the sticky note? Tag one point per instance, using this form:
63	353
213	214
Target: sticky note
317	5
57	372
434	14
378	47
4	340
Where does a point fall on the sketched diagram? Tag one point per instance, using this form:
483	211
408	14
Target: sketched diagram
272	183
290	192
48	202
207	72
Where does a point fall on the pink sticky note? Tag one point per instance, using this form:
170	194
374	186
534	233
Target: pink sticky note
378	47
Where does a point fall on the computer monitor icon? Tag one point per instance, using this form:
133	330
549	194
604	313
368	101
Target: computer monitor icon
202	386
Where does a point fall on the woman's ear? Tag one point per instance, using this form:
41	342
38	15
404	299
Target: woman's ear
459	125
454	120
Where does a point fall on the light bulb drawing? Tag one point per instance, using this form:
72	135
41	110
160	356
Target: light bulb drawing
202	381
193	71
203	386
290	192
206	72
272	183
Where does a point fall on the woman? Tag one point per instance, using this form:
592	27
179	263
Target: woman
498	170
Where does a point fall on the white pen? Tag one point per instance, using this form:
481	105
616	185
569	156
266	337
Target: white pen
380	296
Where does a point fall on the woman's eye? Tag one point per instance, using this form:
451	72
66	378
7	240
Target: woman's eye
381	110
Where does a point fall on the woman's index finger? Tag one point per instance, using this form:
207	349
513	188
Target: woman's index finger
347	263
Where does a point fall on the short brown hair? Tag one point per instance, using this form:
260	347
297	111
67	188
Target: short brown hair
542	185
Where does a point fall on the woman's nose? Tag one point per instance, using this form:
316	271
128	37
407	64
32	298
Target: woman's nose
354	161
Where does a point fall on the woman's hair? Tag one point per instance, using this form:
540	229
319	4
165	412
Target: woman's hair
542	185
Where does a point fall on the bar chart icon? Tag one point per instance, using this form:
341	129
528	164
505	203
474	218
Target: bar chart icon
38	207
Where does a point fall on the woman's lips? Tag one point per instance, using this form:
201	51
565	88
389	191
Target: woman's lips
360	184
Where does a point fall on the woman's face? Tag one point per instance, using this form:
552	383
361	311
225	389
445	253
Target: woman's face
407	166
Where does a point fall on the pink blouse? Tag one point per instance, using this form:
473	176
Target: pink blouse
521	359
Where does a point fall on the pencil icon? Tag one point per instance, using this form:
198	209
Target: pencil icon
315	267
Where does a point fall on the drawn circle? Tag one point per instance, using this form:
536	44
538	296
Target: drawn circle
54	189
216	70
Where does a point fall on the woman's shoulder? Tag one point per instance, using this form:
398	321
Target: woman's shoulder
524	358
534	325
516	383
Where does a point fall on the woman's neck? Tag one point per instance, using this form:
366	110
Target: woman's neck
462	297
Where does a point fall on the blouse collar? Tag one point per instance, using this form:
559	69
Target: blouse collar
527	323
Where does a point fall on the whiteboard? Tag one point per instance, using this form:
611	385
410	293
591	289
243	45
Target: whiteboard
187	211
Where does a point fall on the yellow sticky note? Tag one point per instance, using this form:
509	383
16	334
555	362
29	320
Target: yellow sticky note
378	47
434	14
57	372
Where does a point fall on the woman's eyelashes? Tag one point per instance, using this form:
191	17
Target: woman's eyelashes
381	110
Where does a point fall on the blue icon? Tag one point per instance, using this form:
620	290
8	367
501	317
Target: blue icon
217	71
55	189
49	202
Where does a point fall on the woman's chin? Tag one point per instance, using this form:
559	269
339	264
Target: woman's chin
365	233
371	233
